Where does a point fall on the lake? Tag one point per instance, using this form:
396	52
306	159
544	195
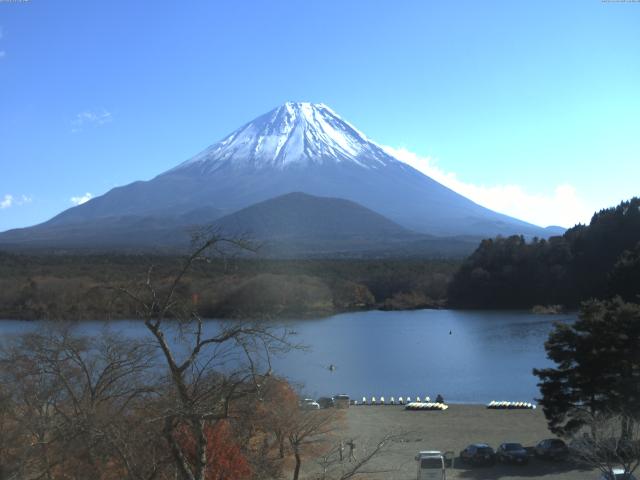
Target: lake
467	356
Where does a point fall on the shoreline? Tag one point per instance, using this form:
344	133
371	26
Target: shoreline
303	315
289	316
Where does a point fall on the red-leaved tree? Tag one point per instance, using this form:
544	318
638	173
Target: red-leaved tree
225	460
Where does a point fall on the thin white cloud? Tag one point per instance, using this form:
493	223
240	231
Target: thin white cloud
563	206
90	118
2	52
81	199
7	201
10	201
24	199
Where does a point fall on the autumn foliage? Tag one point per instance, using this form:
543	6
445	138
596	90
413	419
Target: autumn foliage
225	459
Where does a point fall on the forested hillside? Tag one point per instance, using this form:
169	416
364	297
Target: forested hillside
598	260
76	287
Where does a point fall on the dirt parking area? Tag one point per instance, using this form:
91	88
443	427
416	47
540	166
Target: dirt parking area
452	430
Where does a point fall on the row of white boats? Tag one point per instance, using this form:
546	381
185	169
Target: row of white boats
510	405
390	401
426	406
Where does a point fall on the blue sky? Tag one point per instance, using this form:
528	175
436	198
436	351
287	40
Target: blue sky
530	108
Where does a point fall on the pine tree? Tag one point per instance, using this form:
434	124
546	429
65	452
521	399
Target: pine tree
597	366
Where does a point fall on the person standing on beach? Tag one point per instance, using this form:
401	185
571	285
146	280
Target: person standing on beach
341	450
352	448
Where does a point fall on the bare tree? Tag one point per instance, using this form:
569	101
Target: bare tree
10	435
210	366
333	465
608	441
278	402
307	431
73	400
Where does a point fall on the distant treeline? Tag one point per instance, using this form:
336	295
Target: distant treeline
600	260
74	287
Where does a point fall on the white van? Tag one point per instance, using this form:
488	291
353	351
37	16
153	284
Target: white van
431	465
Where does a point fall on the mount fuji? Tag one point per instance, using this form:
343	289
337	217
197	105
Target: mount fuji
297	147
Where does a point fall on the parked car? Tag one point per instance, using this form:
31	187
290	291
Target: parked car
617	474
552	448
309	404
341	400
512	453
326	402
431	465
478	454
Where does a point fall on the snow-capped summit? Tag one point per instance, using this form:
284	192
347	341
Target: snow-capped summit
296	133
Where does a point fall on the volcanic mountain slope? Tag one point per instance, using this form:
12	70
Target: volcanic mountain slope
298	224
290	226
299	215
297	147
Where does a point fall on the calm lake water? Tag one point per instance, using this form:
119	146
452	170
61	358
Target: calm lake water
488	355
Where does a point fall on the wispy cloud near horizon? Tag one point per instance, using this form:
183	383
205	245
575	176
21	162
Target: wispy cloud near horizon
7	201
10	201
563	206
90	118
81	199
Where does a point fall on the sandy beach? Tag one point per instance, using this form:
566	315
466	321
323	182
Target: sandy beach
452	430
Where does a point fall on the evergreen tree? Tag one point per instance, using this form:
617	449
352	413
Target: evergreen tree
600	260
597	366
